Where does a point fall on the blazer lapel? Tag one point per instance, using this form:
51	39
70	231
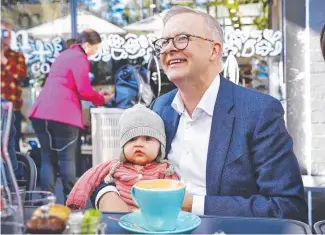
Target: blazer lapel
171	119
220	135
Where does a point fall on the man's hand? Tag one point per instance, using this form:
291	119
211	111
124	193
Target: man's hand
187	203
133	208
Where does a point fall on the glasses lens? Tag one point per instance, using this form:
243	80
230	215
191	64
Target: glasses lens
160	45
181	41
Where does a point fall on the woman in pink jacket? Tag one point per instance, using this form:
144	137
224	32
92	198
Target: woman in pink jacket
56	114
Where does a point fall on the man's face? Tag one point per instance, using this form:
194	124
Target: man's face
92	49
195	58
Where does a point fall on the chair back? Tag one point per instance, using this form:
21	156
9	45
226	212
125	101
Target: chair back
6	116
320	227
27	175
259	225
256	225
11	204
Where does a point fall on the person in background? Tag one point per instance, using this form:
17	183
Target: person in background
56	114
13	72
261	76
24	21
79	161
142	157
70	42
247	76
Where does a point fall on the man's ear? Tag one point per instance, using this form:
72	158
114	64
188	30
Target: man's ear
216	51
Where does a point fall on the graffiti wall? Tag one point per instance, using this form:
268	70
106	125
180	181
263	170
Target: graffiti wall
130	46
40	53
247	44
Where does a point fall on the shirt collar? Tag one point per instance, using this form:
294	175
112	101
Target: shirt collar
178	104
207	101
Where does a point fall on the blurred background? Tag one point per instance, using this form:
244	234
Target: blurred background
275	42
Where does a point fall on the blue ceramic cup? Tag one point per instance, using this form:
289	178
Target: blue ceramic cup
160	202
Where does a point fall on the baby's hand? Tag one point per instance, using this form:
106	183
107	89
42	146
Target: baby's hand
133	209
74	207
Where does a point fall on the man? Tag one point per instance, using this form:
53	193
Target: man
70	42
228	144
13	71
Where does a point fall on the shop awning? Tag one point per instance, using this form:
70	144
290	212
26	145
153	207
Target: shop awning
84	20
151	24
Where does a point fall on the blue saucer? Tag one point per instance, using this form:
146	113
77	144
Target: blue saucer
186	223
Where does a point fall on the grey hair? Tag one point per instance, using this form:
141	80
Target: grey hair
212	23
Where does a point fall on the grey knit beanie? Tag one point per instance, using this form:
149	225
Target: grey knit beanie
141	121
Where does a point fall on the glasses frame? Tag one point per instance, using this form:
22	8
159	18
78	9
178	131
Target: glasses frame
158	51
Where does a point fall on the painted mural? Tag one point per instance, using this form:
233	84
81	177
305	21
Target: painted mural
40	53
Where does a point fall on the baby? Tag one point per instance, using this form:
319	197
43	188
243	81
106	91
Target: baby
142	142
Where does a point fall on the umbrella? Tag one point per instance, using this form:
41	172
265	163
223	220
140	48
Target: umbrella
84	20
151	24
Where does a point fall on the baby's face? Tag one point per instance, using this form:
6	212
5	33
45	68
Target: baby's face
142	150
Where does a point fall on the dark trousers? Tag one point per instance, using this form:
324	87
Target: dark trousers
58	153
79	159
18	120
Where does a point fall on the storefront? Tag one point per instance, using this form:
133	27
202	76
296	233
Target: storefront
128	28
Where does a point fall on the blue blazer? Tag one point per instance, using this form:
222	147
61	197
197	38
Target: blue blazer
251	168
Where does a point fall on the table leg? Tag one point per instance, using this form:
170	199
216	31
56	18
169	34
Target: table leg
310	209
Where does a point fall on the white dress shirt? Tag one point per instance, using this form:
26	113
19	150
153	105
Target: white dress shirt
189	148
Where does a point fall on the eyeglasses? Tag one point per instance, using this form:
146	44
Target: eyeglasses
180	42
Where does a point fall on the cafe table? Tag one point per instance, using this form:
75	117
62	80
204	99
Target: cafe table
228	225
320	227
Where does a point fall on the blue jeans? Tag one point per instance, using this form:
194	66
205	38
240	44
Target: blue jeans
19	118
58	150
